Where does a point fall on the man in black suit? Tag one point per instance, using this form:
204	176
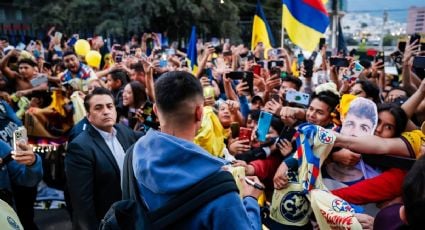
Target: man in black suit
94	161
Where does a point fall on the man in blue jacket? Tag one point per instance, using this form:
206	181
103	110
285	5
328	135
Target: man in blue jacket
167	163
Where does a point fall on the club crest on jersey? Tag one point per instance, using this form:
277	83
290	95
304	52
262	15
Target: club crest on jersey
325	136
294	207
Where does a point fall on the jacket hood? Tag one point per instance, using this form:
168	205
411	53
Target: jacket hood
166	165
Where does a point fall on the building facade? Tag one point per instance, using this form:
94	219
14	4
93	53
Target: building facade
416	20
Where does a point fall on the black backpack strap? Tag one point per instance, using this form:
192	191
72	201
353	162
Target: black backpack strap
130	189
193	198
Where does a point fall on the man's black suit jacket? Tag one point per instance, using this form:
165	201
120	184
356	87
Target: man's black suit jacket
93	175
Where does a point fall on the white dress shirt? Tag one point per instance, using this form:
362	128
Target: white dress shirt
114	145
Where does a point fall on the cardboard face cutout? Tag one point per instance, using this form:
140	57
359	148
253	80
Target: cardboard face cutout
361	119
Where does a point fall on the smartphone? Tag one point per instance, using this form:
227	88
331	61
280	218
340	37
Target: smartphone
245	133
275	71
118	58
72	41
419	62
380	58
397	57
275	97
208	73
263	125
297	97
19	136
170	52
300	59
163	63
339	62
287	133
313	56
322	42
147	109
415	37
422	46
40	79
132	52
209	92
272	64
308	67
261	63
58	36
234	127
401	46
256	69
328	54
245	76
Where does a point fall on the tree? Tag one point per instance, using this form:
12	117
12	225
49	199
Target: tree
126	17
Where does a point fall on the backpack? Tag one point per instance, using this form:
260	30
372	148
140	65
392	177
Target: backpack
132	213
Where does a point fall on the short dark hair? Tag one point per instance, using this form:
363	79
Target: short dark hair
328	97
96	91
138	67
69	52
371	90
414	195
173	88
298	83
27	61
399	115
119	75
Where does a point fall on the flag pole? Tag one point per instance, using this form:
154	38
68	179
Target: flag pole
282	37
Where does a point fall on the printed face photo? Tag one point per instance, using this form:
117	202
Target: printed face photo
361	118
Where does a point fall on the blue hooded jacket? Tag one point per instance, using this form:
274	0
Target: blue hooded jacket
165	165
18	173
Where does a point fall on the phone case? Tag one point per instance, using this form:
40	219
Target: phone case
19	136
287	133
245	133
297	97
263	125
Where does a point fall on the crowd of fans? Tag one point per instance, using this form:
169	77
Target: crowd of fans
98	111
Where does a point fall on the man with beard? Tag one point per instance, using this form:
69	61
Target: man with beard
76	74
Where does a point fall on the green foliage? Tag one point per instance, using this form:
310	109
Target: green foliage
389	40
125	17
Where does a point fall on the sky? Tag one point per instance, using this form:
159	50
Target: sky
377	6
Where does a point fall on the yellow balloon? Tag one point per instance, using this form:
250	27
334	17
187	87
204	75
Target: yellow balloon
82	47
93	59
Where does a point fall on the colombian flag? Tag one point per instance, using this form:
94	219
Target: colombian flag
261	31
192	52
305	22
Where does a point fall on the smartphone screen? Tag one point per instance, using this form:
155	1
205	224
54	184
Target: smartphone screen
264	125
272	64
